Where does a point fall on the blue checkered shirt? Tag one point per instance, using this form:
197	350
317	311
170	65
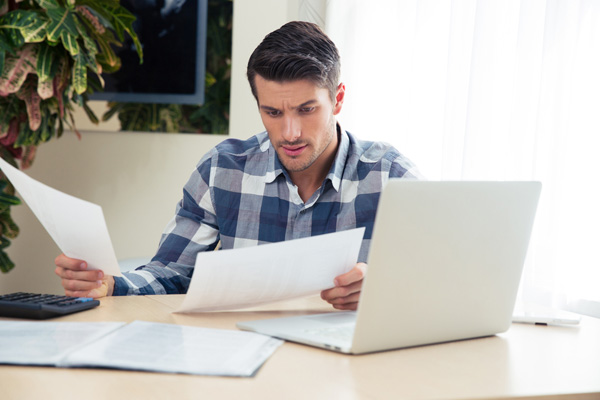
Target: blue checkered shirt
241	195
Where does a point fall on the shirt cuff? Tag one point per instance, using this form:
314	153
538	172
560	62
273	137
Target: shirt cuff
121	287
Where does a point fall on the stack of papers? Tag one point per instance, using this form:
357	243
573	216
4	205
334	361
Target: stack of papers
140	345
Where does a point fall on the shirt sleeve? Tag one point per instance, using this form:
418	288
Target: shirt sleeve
402	167
193	229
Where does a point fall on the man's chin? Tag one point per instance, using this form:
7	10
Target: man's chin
294	164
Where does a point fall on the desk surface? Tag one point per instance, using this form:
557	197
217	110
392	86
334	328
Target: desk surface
528	360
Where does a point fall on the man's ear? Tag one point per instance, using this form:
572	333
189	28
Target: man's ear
339	98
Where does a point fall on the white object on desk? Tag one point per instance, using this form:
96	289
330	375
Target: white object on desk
149	346
47	343
140	345
541	315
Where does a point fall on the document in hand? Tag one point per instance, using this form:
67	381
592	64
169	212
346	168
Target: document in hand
77	227
249	276
143	346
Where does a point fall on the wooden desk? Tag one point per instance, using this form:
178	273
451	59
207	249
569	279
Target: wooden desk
528	360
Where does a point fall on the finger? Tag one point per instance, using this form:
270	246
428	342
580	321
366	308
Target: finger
346	307
341	292
353	298
354	275
80	286
63	261
92	275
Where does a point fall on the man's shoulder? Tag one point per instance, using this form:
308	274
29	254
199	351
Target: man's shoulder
238	147
381	156
371	152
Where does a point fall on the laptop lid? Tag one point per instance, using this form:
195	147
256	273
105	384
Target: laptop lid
445	264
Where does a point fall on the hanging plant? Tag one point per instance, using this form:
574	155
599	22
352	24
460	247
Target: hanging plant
52	53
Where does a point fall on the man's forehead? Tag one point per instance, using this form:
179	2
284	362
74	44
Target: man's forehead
297	92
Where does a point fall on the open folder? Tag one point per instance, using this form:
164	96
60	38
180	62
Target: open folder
142	346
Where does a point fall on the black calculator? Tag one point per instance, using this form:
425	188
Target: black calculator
42	306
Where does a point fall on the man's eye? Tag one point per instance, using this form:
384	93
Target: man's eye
306	110
274	113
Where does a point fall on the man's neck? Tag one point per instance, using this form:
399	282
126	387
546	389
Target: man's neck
311	179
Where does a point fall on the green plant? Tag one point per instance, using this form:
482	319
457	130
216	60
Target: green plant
210	117
47	50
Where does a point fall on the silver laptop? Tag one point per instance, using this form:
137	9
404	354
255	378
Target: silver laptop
445	264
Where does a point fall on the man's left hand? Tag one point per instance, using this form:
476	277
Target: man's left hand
345	294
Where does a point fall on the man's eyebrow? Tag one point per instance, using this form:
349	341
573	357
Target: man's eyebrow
305	104
268	108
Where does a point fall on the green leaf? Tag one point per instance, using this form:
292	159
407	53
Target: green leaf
18	19
61	20
36	32
30	24
80	74
70	43
46	65
88	42
48	4
5	262
107	58
90	113
5	44
113	108
7	199
2	58
47	128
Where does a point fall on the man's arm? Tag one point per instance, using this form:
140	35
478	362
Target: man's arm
191	230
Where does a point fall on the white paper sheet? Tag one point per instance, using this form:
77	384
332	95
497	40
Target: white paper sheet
239	278
47	343
77	226
178	349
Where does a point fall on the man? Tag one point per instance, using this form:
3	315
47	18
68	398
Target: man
304	176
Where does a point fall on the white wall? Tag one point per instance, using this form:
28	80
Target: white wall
136	177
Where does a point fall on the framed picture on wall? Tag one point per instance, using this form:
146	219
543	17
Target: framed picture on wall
173	37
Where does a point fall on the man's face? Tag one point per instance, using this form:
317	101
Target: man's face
300	120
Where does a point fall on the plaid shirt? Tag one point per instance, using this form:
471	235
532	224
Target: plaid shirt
241	195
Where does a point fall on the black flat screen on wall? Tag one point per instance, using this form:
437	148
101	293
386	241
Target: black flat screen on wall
173	37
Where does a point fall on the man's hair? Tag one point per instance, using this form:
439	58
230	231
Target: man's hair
298	50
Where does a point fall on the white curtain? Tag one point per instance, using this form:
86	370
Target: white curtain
490	90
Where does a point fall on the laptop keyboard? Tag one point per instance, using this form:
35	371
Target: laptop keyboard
341	333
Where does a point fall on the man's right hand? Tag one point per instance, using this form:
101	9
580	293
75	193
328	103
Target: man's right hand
78	281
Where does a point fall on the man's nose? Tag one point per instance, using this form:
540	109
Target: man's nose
291	129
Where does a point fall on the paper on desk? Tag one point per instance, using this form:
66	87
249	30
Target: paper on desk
47	343
77	227
172	348
245	277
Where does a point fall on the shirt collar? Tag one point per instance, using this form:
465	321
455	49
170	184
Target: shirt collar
339	163
275	168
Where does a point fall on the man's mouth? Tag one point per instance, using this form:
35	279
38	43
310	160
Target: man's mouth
293	150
